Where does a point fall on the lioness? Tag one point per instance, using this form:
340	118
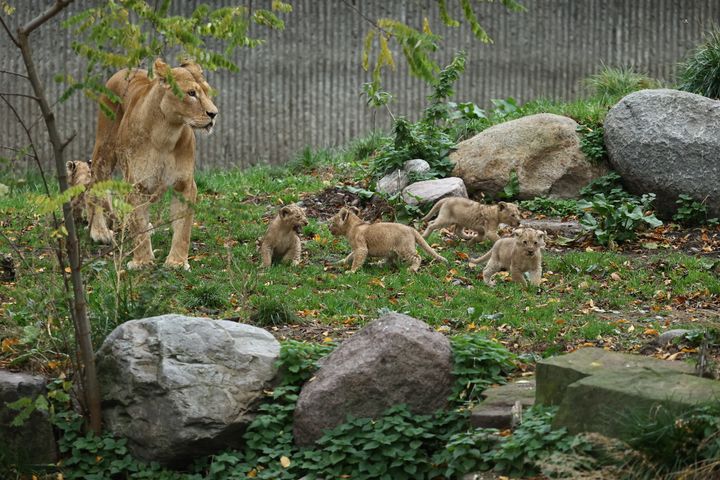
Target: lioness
78	173
152	139
517	254
466	213
281	241
382	239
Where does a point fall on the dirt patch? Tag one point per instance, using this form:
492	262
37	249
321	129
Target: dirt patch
327	203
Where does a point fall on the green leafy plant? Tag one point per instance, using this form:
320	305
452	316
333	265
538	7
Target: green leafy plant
478	362
399	445
690	212
612	221
553	207
592	142
298	360
512	188
611	84
700	73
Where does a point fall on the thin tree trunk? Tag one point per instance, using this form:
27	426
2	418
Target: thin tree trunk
91	389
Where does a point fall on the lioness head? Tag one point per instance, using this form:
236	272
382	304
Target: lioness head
195	107
339	224
531	241
294	216
509	214
78	173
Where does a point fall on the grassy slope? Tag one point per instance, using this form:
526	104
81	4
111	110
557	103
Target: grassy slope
225	281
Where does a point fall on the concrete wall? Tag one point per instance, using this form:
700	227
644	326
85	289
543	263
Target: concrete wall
303	86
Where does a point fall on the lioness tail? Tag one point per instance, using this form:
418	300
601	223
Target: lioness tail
424	245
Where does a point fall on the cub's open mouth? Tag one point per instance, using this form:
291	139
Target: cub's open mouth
297	229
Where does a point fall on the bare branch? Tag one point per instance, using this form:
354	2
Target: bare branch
10	94
56	8
7	30
7	72
69	139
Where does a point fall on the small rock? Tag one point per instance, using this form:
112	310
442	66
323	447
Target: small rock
501	404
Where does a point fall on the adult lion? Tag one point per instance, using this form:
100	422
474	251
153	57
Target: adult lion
152	139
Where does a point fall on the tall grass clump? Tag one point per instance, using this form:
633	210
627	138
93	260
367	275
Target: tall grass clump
611	84
700	73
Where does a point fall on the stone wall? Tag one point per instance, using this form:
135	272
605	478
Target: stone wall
303	86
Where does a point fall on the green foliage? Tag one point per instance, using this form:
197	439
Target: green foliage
128	33
700	73
467	452
530	443
443	88
690	212
552	207
399	445
611	84
512	189
677	441
298	360
415	140
417	45
592	142
270	312
609	185
478	362
614	221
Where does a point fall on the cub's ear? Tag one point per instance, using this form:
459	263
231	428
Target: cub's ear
543	234
285	211
161	68
517	232
355	210
344	212
502	205
70	165
89	162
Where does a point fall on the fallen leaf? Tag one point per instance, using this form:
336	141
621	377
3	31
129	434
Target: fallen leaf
650	331
284	461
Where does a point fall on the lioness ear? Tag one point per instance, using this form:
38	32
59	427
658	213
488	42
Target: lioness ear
161	68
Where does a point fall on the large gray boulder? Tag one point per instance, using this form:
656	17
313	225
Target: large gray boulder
611	402
393	360
33	442
554	375
430	191
666	142
181	387
543	149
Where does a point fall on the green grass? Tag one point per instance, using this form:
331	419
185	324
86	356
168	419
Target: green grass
226	280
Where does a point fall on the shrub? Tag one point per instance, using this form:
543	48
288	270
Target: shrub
690	212
700	73
271	312
615	221
611	84
478	362
592	142
554	207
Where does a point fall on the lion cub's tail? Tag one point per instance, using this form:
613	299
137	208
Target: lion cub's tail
421	241
434	210
481	259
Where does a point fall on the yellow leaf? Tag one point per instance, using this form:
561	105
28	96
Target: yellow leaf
252	473
377	282
98	459
284	461
650	331
68	270
426	26
327	339
631	328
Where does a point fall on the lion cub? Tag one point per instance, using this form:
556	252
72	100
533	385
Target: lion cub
517	254
466	213
383	239
281	242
